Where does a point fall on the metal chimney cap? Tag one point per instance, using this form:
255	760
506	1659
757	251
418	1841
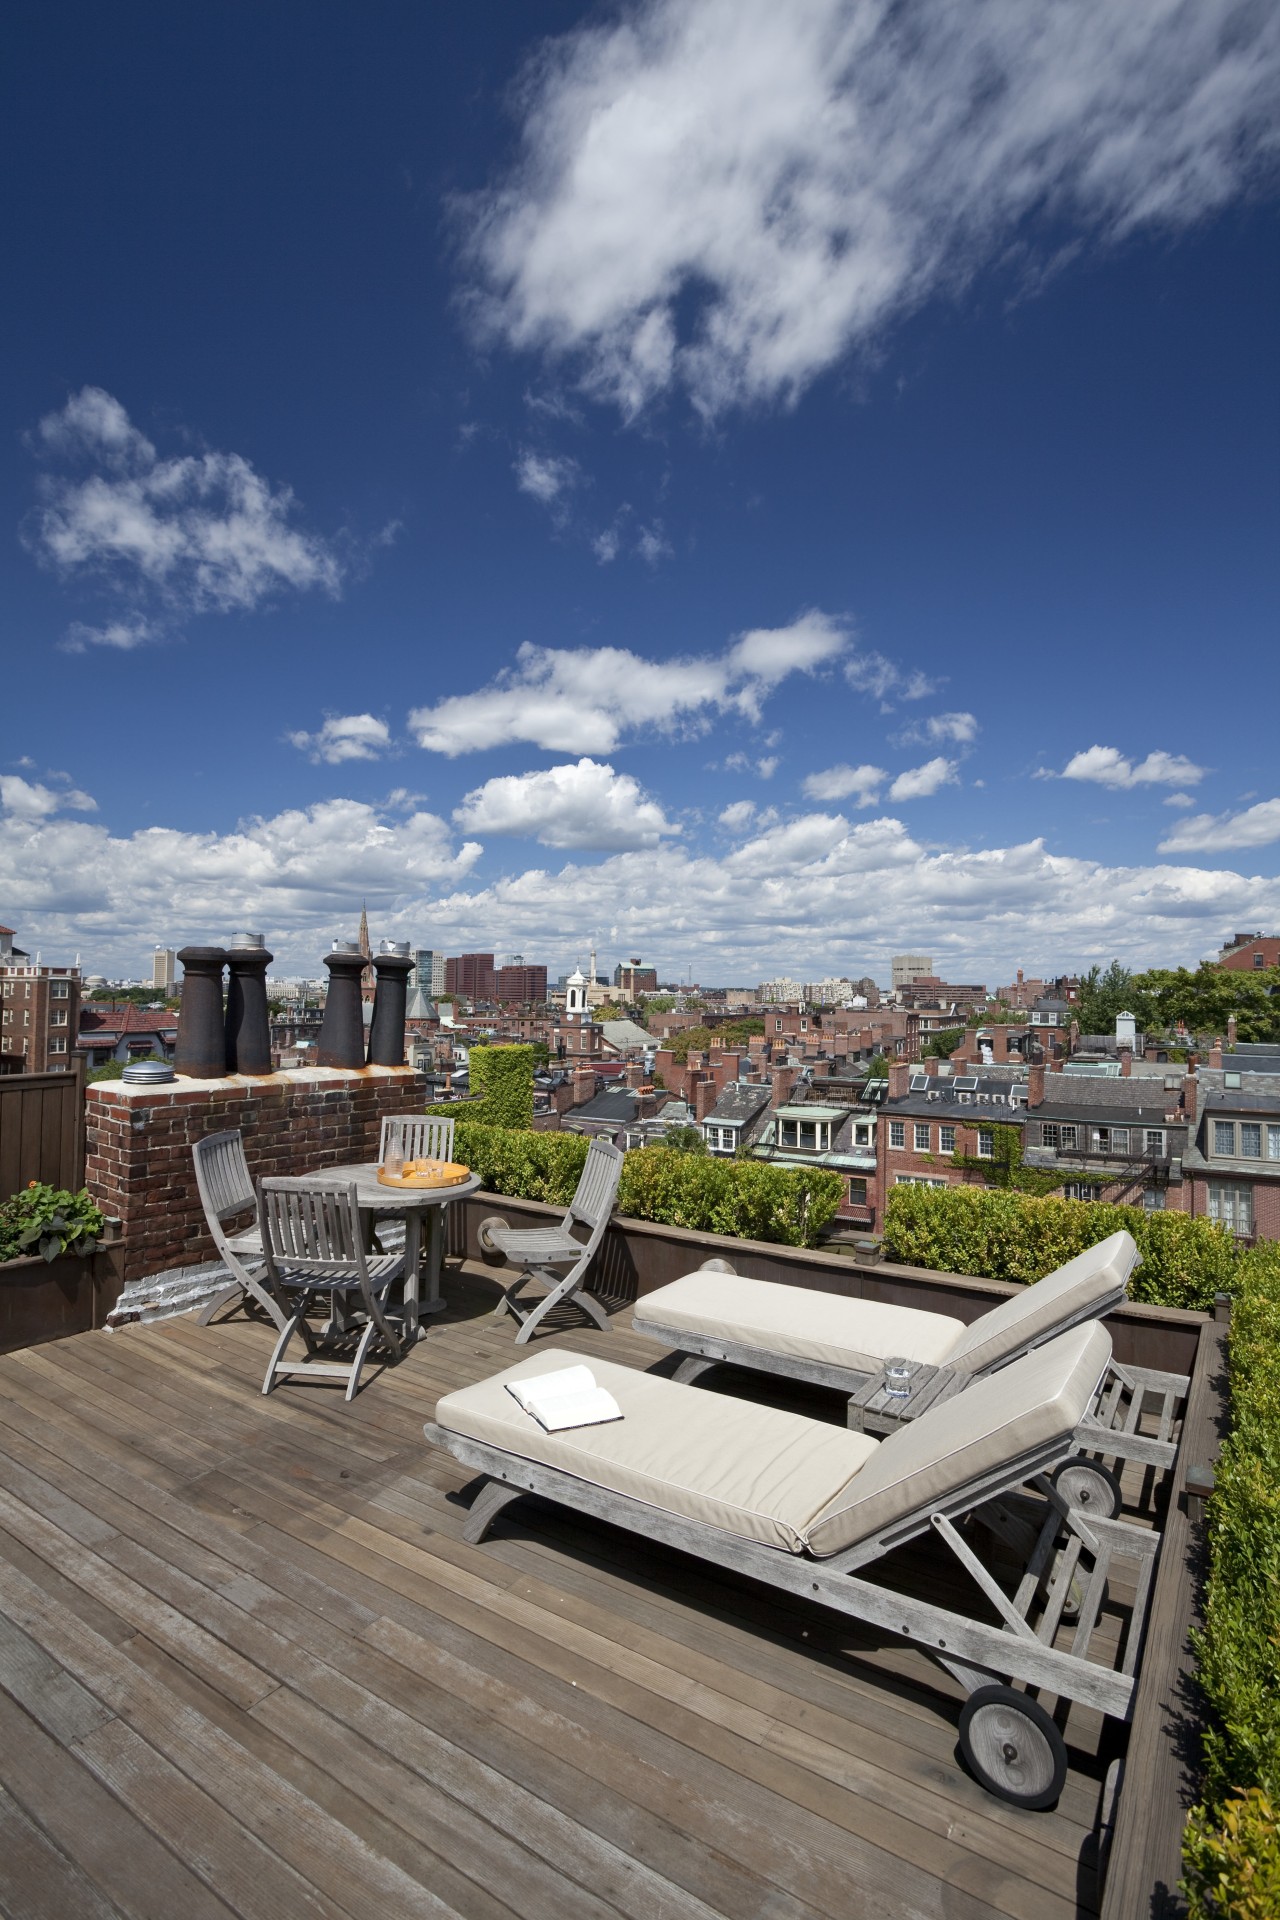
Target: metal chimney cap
148	1073
239	941
400	947
347	946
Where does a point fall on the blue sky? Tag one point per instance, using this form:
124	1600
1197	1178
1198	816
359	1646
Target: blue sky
721	478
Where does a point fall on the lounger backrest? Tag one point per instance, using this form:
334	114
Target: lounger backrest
994	1424
1084	1289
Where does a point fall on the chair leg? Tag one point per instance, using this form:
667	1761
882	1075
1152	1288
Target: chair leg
567	1289
298	1323
234	1292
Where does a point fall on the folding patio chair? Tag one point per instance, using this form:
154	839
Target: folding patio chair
831	1340
226	1192
315	1251
418	1136
807	1508
542	1250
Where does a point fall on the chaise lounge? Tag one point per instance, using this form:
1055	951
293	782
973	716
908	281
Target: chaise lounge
805	1507
830	1340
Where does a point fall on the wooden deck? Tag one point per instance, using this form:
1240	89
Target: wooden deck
248	1666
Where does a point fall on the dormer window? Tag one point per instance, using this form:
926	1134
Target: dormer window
812	1135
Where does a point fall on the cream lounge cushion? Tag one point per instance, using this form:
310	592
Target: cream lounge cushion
778	1478
748	1470
1084	1285
799	1323
1040	1398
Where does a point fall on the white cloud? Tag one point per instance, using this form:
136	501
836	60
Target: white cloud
919	782
1212	833
841	783
345	736
767	766
605	545
726	196
805	897
31	800
652	544
198	533
545	477
874	674
1107	767
586	700
584	805
1179	800
959	729
738	815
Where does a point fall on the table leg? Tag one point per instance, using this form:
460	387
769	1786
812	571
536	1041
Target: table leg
412	1256
433	1301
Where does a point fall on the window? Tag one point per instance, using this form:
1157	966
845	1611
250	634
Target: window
1102	1139
777	1026
1233	1206
815	1135
1273	1143
1250	1140
7	1016
857	1192
58	1017
897	1133
1224	1137
57	1043
916	1180
922	1137
1069	1138
1080	1190
862	1135
1259	960
1119	1139
1153	1140
1153	1199
986	1142
804	1026
946	1139
1050	1133
60	990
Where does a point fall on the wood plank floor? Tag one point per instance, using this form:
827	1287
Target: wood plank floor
248	1666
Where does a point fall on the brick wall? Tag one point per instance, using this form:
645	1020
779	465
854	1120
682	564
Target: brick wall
139	1139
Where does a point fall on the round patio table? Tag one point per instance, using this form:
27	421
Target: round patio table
413	1205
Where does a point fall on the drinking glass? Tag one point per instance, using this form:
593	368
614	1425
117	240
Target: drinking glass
897	1378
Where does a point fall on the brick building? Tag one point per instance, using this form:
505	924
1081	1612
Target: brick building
471	975
1232	1162
1250	952
519	985
39	1012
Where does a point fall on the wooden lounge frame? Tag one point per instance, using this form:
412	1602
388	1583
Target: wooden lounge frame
1067	1557
1110	1429
555	1259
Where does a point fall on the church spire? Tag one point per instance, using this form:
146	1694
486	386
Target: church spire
368	979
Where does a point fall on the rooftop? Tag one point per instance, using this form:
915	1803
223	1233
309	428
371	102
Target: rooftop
253	1668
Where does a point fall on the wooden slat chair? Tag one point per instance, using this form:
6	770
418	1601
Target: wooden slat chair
544	1253
314	1251
418	1136
226	1194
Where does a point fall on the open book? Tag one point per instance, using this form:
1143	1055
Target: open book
569	1397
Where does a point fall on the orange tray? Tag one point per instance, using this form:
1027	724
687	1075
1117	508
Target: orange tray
426	1173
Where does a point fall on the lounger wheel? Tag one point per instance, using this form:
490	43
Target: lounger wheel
492	1224
1011	1746
1089	1486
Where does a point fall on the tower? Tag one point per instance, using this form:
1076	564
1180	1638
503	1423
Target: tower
576	1003
368	979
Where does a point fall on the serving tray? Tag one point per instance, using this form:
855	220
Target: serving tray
426	1173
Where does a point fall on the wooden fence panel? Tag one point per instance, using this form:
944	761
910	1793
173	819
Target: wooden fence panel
42	1129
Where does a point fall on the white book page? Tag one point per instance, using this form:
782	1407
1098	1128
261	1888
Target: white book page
568	1397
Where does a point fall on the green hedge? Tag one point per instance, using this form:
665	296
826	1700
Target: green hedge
1010	1236
501	1088
749	1201
1232	1849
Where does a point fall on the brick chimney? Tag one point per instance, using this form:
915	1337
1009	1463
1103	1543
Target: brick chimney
1126	1063
584	1085
1215	1054
705	1095
899	1079
635	1075
1035	1086
784	1079
1190	1096
1231	1030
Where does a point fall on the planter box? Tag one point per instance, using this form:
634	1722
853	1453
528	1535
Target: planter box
49	1299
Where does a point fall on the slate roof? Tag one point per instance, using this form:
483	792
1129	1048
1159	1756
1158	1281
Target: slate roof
739	1104
617	1106
624	1034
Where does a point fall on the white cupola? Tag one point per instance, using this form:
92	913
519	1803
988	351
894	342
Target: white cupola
575	995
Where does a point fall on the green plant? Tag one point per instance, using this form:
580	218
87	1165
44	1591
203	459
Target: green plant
1006	1235
732	1034
684	1140
1231	1852
48	1221
745	1199
1003	1167
501	1088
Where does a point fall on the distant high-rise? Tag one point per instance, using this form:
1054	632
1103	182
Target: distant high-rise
632	978
428	972
471	975
164	970
910	967
39	1012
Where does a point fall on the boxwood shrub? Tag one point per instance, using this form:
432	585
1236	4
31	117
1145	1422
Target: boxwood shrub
501	1080
738	1197
1011	1236
1232	1846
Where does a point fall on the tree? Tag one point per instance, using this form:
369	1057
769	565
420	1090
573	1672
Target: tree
685	1139
942	1045
877	1067
1104	995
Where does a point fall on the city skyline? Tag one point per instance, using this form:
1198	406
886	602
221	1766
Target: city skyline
723	483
